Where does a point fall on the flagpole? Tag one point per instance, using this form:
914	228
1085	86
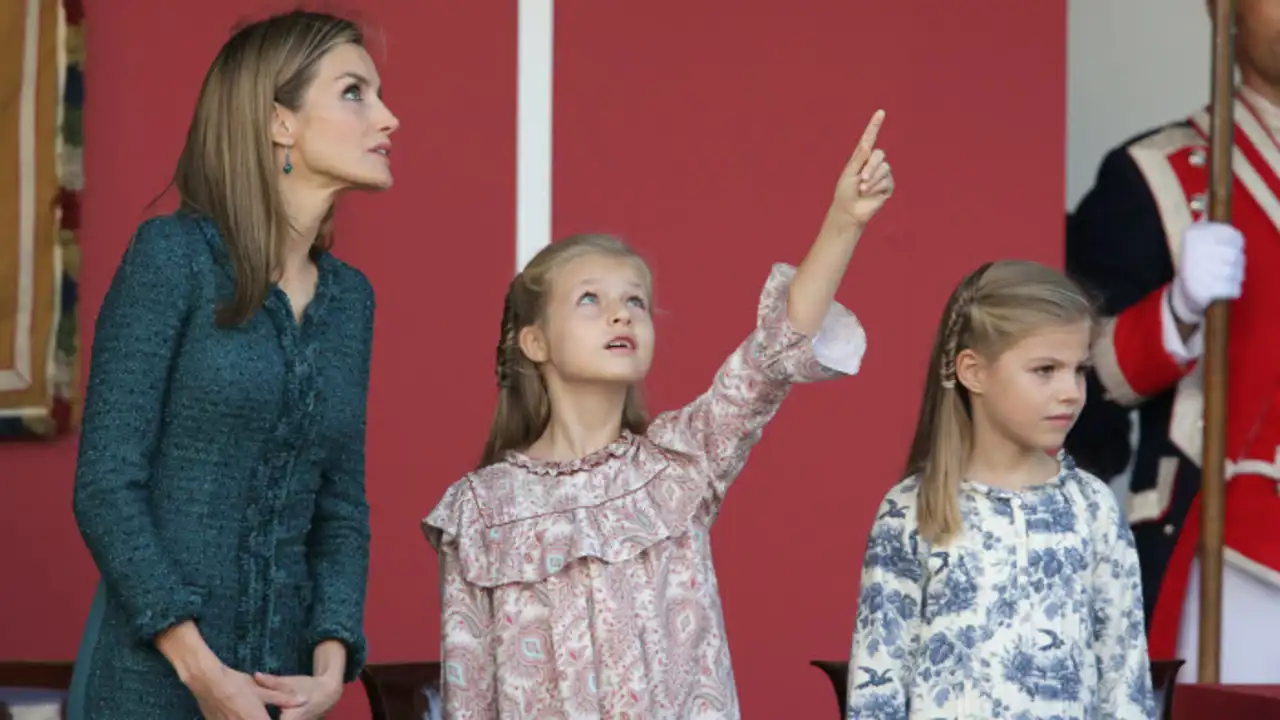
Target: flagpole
1213	456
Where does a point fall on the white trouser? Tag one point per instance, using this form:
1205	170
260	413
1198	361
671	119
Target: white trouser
1250	647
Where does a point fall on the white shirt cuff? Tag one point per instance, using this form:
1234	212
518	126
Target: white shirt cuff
841	341
1181	352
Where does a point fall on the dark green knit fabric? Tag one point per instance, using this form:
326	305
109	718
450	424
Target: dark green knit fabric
221	471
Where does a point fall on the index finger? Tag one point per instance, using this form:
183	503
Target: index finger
868	141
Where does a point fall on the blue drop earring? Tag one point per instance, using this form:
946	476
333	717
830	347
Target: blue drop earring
288	166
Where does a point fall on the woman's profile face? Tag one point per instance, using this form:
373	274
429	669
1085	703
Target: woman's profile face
341	133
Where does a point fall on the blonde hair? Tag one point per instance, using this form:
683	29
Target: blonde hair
524	407
228	169
991	310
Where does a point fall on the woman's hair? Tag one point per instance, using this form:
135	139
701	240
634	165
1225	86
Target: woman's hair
228	169
991	310
524	407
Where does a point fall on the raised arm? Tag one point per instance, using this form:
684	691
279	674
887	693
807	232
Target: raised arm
137	334
864	186
886	635
801	334
338	546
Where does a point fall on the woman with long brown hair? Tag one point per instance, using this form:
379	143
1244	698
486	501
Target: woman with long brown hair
220	485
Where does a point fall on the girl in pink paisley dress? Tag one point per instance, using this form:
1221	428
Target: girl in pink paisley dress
575	562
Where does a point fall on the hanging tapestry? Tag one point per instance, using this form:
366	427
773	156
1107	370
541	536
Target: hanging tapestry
41	178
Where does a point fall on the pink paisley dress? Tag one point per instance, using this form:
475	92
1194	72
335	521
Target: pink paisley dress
585	589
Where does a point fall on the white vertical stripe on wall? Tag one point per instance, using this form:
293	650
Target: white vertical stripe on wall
536	38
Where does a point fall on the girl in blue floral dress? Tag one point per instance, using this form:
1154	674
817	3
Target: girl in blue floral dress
1000	581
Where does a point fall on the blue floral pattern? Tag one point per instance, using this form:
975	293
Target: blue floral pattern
1034	612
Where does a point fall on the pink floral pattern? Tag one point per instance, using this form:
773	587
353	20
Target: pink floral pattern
585	589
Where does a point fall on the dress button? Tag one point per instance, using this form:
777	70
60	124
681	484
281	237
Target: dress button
1168	529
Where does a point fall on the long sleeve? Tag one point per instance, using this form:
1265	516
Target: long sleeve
886	636
1120	641
721	426
469	683
1117	247
1139	354
137	335
338	545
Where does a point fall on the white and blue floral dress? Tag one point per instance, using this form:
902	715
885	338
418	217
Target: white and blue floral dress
1034	612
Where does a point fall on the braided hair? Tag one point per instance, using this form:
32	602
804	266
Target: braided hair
506	367
990	310
957	322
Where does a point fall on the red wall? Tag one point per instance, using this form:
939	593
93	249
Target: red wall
709	134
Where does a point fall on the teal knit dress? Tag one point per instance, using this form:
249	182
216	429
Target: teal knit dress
221	472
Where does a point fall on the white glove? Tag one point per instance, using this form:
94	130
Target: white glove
1212	268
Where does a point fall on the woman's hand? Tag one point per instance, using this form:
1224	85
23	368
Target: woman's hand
318	693
222	693
226	694
867	181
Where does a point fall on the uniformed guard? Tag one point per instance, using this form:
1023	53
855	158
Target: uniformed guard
1139	238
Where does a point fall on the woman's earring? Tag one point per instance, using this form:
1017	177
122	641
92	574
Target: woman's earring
288	166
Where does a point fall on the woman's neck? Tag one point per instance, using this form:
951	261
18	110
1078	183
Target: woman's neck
306	209
1001	462
584	419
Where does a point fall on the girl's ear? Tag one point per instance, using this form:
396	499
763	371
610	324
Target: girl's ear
533	343
971	371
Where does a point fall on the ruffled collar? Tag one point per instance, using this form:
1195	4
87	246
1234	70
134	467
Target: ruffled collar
509	525
618	448
1066	471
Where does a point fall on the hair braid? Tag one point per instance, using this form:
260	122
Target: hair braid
966	298
504	369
